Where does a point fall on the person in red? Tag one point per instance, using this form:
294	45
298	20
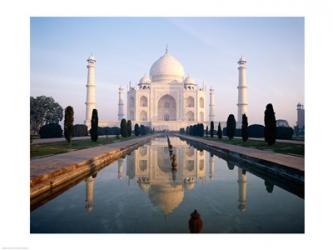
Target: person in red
195	223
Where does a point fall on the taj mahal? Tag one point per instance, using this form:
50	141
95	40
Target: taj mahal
167	98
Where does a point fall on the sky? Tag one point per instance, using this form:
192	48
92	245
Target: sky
208	48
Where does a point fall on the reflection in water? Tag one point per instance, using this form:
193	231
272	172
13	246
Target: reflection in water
242	188
195	223
159	193
90	181
120	168
269	186
231	164
211	166
165	185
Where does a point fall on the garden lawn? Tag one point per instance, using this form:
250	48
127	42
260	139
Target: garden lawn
278	147
52	148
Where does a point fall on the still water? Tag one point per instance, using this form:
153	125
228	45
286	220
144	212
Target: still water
141	194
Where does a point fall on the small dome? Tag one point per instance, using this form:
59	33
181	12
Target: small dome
189	185
167	67
144	186
145	80
189	80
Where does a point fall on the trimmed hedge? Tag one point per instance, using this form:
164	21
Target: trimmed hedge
80	130
238	132
108	131
256	130
284	133
51	130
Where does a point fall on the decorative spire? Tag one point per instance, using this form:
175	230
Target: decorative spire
242	60
166	49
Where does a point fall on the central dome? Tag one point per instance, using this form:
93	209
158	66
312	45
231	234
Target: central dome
167	67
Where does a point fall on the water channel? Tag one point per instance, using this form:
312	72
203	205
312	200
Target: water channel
142	194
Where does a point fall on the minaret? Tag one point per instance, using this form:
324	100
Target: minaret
120	168
242	188
211	166
91	88
211	105
300	116
242	91
120	104
90	193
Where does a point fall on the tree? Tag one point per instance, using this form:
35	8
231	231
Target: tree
202	130
94	125
212	129
129	128
68	123
207	131
219	131
245	133
231	126
123	128
270	125
136	129
44	110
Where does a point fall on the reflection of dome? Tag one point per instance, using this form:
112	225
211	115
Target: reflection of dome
189	185
144	186
167	67
166	197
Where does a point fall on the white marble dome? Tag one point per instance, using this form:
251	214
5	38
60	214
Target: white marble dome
145	80
189	80
167	67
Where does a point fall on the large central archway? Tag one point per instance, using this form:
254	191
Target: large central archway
167	109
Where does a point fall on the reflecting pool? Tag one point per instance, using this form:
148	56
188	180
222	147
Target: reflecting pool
142	194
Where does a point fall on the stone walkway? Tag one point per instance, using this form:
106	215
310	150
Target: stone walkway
46	165
282	159
278	140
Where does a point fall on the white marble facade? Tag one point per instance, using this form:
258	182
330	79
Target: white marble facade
166	99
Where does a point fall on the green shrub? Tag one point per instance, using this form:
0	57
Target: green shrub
80	130
51	130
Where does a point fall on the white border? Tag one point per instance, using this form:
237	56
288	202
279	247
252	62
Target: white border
14	221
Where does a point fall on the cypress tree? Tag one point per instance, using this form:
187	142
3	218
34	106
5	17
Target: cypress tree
245	133
270	125
136	129
94	126
202	130
219	131
207	131
68	123
129	128
212	129
123	128
231	126
143	130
